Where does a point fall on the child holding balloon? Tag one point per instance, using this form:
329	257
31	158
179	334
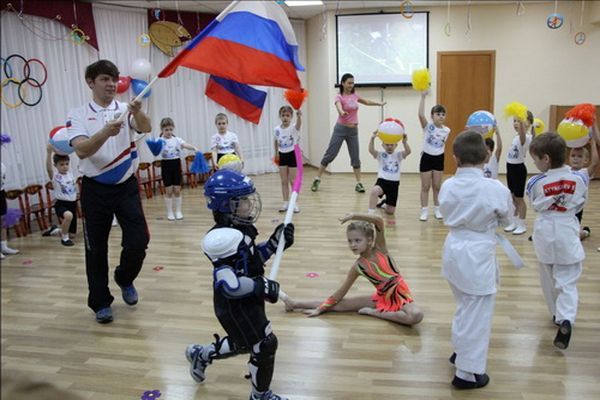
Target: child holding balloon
65	193
388	173
431	166
224	141
516	171
171	167
490	169
286	136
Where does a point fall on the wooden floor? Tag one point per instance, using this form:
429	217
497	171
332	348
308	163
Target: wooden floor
49	333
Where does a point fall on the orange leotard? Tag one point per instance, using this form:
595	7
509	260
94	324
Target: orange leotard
392	291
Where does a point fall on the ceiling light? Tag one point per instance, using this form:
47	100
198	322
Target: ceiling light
302	3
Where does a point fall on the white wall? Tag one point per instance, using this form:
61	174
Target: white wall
534	65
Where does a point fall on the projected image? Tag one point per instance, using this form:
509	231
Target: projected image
381	48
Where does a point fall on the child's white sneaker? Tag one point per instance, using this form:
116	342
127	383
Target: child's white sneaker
8	251
170	216
178	215
510	227
438	214
424	214
296	209
283	207
521	229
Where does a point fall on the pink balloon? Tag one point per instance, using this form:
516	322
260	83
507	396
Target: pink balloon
123	84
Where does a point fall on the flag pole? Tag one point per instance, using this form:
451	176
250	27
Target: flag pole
290	212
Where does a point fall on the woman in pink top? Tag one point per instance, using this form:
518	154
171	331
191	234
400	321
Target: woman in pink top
345	129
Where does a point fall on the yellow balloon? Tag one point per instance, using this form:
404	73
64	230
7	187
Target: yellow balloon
538	126
230	161
575	133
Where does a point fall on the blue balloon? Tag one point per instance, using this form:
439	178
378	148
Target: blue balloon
481	118
62	146
137	85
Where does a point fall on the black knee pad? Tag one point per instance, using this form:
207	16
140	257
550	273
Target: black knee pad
262	360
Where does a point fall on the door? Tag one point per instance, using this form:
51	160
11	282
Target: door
465	83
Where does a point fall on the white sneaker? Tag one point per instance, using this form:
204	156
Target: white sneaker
170	216
438	214
510	227
296	209
114	223
521	229
424	214
178	215
2	256
8	251
283	207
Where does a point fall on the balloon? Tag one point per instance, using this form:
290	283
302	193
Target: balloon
538	126
230	161
59	139
482	122
137	85
575	133
123	84
391	131
141	68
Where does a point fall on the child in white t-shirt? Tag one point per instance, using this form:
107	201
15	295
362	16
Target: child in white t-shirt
388	173
224	141
490	169
286	136
65	193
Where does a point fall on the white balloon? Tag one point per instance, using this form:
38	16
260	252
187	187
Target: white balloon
141	69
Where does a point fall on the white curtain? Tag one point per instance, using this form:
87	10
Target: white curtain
180	96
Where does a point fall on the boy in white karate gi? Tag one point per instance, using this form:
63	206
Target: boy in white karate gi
472	207
557	194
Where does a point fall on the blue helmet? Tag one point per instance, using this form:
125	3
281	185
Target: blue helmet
231	192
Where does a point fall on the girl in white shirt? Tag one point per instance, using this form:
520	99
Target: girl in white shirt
171	167
490	169
516	172
286	136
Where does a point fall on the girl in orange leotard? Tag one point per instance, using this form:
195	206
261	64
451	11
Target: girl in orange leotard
392	299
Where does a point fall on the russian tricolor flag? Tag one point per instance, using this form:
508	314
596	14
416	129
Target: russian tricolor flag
250	42
240	99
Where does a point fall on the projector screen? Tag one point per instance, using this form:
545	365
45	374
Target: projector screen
382	49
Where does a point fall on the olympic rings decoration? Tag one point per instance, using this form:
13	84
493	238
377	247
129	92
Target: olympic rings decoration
20	83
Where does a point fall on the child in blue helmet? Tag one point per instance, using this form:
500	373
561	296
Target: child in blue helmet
240	289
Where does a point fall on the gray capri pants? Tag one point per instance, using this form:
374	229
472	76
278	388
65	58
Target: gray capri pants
341	133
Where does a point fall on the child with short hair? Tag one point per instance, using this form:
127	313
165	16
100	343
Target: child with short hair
472	207
557	194
388	173
579	160
392	299
516	172
431	166
65	193
490	169
224	141
170	166
286	136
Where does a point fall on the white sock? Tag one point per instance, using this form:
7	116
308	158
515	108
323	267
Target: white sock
371	211
424	208
464	375
177	201
521	222
169	203
65	237
4	244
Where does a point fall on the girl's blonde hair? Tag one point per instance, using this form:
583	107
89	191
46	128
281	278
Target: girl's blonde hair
366	228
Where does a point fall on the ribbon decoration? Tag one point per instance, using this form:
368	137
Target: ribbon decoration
288	215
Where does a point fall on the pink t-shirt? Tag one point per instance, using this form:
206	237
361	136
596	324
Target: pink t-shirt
350	105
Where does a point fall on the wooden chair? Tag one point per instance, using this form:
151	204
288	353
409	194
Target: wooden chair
144	177
190	177
21	226
49	201
38	209
157	177
209	160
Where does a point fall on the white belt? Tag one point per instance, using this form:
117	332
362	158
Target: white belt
510	251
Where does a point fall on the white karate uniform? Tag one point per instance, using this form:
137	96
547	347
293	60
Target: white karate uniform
557	195
472	207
